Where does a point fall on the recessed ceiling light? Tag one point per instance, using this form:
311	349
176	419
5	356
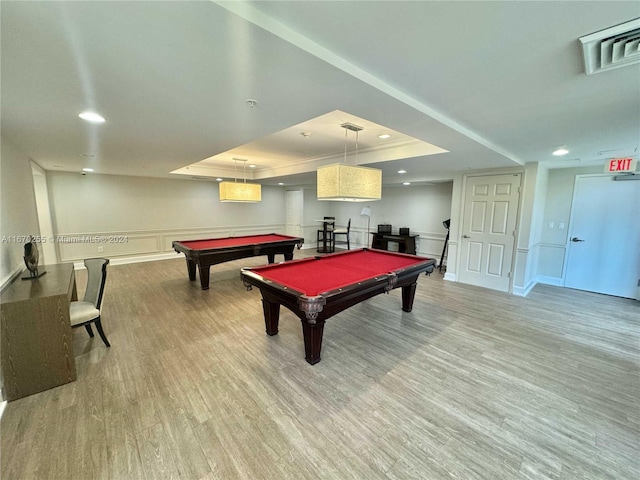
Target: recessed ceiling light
218	179
87	169
402	171
407	183
280	183
92	117
558	152
384	136
252	166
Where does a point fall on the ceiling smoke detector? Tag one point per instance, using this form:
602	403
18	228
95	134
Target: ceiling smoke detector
612	48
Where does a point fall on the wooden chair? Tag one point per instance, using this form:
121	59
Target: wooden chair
342	231
87	311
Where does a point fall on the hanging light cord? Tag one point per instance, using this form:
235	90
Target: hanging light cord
356	147
346	130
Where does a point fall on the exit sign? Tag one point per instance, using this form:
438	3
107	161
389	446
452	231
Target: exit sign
616	165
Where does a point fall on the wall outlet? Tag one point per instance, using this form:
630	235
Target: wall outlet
551	224
561	225
100	249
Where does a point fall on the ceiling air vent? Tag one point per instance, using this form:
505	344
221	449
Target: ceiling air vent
612	48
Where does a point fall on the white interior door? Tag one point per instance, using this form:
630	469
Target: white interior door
294	213
488	230
604	236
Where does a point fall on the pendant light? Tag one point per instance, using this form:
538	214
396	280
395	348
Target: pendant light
349	183
240	191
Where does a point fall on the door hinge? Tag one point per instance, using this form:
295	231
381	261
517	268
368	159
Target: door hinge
508	274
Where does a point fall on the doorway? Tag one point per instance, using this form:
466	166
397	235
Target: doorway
603	251
488	230
48	249
294	213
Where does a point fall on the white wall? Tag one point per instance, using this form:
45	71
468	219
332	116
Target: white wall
18	216
532	200
420	208
150	213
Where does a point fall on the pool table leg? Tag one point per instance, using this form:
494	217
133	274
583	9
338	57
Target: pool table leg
271	257
271	316
312	334
191	269
204	276
408	294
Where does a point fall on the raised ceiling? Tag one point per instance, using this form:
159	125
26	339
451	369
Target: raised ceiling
494	84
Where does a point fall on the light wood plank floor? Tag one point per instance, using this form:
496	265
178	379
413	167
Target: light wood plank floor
472	384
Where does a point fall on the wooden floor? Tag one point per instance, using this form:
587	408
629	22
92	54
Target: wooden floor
472	384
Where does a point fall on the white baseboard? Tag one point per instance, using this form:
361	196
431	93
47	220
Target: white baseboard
450	277
555	281
523	291
135	259
11	277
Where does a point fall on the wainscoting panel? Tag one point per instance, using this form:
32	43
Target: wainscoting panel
78	246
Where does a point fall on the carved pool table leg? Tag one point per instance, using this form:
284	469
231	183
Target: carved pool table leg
271	257
191	269
408	294
204	276
288	256
312	340
271	316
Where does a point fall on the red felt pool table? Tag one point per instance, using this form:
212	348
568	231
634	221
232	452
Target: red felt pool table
317	288
212	251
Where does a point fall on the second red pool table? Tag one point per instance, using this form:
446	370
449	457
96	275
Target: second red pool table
316	288
211	251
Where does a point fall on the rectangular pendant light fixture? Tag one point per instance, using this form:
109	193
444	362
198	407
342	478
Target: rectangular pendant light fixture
240	191
349	183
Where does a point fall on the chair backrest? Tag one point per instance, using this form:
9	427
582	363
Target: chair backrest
348	225
97	277
329	223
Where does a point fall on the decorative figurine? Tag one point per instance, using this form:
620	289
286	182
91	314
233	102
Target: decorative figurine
31	257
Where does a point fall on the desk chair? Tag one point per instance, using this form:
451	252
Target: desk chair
324	238
87	311
345	232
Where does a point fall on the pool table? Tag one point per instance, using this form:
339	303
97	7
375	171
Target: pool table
211	251
316	288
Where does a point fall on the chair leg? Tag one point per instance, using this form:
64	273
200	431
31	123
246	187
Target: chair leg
348	246
89	330
101	332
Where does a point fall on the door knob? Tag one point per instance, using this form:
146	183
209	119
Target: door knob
466	236
576	239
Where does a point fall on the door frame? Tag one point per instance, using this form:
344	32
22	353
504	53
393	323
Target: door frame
570	226
458	228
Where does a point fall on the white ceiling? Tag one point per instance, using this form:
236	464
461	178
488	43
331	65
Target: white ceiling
494	84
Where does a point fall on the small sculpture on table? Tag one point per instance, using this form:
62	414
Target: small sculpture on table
31	258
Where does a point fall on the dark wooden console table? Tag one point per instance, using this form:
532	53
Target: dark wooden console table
37	350
406	243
